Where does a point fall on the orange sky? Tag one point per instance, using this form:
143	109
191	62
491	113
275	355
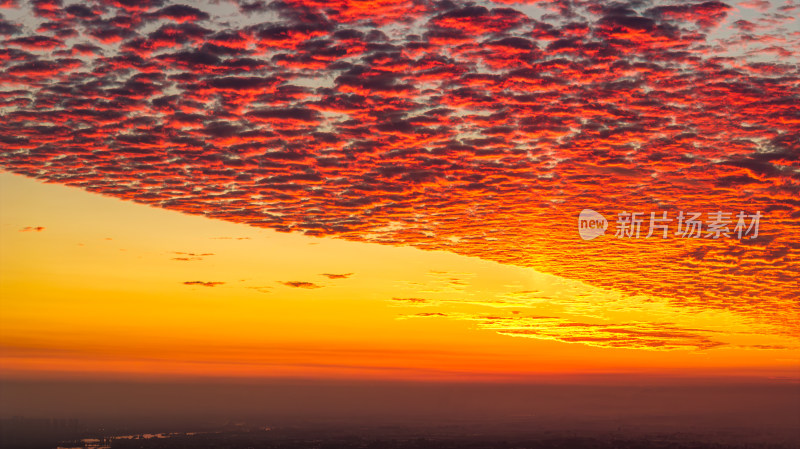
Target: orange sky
108	288
389	189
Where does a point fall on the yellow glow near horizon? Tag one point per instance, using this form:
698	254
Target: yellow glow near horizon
102	290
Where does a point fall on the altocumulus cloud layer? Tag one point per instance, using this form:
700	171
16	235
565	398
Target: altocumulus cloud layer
481	128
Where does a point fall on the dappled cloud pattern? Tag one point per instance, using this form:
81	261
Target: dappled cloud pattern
478	128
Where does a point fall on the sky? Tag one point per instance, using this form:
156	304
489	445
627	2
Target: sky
115	289
391	190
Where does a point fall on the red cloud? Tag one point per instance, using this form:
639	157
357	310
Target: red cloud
32	228
203	283
706	14
180	13
35	43
377	11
